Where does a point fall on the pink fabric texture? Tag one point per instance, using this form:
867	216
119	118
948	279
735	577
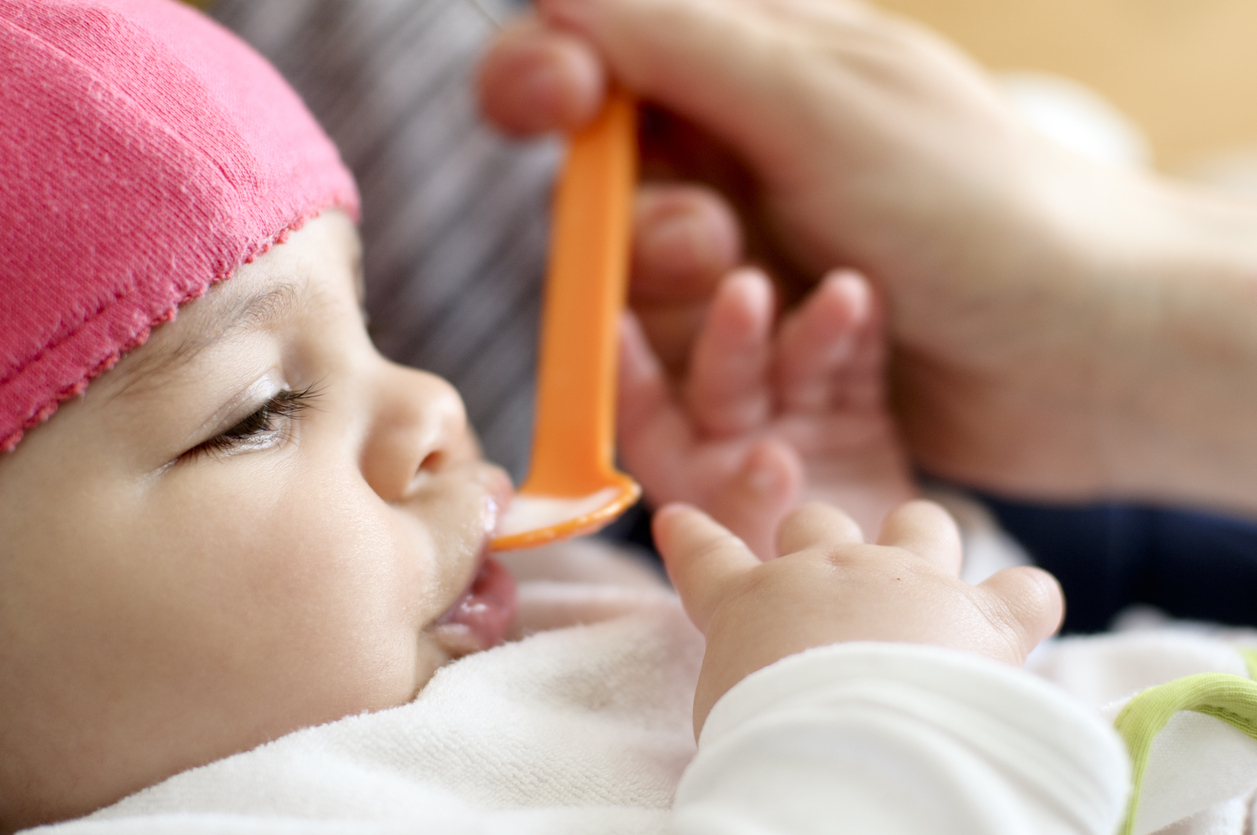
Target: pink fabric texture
145	154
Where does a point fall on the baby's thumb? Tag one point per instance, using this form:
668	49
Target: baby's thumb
753	502
718	63
1027	603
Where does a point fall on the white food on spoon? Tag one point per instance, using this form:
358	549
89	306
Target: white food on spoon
530	512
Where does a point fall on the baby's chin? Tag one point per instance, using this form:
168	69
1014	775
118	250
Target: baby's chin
482	616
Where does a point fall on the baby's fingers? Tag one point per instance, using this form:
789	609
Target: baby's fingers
654	437
727	392
926	530
759	495
643	391
816	523
818	339
702	558
1027	603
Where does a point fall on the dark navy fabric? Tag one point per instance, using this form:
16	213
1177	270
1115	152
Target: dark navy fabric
1189	564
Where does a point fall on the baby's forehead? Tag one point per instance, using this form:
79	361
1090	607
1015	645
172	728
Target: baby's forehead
226	308
276	288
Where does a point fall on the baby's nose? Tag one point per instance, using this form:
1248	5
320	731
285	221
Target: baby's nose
418	425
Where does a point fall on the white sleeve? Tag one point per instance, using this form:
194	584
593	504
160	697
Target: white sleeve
882	738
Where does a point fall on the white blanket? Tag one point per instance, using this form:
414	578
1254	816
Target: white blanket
585	728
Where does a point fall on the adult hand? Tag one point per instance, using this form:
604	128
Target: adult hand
1061	330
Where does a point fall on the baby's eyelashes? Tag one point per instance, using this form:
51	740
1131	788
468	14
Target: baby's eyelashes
268	426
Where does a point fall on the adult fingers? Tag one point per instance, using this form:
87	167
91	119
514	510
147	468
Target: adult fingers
536	79
816	524
815	341
926	530
1028	603
727	391
685	239
753	502
702	557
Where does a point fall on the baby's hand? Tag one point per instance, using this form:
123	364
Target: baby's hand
831	587
762	419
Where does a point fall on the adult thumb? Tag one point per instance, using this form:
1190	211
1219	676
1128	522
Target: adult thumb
730	66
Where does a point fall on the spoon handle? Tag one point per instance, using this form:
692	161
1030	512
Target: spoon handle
574	434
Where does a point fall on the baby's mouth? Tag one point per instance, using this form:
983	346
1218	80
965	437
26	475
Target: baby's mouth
483	614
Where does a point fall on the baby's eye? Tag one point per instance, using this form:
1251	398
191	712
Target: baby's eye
263	426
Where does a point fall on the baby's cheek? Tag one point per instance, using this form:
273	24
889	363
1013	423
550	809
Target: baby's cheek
361	593
304	589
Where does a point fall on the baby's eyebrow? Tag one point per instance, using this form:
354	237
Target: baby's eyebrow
254	312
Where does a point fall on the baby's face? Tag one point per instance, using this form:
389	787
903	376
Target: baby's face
252	524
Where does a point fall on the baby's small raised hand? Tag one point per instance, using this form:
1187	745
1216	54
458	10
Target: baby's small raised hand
765	418
831	587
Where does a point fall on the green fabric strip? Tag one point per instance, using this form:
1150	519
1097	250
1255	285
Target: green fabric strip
1249	655
1227	697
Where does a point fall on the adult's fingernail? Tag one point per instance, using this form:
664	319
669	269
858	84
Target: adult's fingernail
677	233
542	90
681	245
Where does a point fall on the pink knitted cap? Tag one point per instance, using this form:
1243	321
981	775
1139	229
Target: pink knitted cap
145	153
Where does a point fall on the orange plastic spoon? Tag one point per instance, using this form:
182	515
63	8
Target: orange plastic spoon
572	486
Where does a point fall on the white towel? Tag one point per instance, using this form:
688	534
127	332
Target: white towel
1201	770
586	728
527	724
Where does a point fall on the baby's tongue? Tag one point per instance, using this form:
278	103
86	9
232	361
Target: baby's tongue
483	615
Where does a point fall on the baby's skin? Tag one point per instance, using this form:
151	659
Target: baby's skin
830	586
252	524
767	417
255	523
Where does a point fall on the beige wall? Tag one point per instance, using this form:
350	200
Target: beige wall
1185	70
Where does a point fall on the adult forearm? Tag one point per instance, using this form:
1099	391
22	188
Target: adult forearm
1109	353
1183	407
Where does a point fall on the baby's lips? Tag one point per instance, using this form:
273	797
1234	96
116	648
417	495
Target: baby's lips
484	613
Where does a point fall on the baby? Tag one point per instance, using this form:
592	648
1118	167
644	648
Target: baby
225	517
